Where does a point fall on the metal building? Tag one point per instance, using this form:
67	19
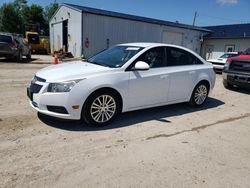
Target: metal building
86	31
226	38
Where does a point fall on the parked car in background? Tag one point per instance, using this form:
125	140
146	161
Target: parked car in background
122	78
237	71
220	62
13	47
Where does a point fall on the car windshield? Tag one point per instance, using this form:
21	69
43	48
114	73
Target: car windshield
247	52
228	55
6	38
114	57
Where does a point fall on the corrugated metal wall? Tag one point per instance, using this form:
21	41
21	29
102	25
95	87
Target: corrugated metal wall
90	33
103	31
74	30
57	36
100	32
218	46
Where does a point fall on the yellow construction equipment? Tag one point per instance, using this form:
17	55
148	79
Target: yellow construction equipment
37	44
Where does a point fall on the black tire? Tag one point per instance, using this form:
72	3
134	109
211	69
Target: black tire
227	85
91	111
200	94
45	52
29	55
19	57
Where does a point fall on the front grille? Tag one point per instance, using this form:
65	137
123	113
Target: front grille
241	66
215	63
238	78
35	88
57	109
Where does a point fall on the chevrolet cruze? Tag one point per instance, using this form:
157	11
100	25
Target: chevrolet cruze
122	78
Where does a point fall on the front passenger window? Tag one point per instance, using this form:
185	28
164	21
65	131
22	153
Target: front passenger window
154	57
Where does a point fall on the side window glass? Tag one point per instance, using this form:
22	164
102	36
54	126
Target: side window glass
197	61
178	57
154	57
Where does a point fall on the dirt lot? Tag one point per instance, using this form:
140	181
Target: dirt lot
171	146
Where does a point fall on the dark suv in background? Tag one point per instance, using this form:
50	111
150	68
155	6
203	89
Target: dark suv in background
237	71
12	47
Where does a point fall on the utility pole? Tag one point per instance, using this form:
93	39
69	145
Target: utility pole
195	16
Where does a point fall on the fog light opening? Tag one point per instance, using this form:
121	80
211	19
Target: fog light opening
76	107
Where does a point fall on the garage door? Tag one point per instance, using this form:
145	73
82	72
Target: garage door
172	38
57	36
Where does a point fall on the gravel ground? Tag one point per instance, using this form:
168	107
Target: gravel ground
171	146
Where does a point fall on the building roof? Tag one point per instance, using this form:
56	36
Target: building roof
229	31
132	17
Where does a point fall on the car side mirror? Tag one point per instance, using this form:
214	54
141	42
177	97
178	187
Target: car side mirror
141	66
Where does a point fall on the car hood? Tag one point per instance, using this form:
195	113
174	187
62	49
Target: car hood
70	71
240	57
219	60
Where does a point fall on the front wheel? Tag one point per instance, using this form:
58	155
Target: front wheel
227	85
199	95
101	108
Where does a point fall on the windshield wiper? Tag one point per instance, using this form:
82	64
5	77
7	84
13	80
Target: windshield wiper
96	63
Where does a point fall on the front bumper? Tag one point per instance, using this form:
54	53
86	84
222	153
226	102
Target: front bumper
42	101
218	66
234	78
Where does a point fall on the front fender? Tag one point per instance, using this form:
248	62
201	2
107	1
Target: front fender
82	90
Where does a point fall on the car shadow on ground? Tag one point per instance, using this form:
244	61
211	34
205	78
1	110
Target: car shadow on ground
24	61
240	90
130	118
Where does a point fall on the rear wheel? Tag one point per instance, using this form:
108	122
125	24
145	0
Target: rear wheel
199	95
19	56
29	55
101	108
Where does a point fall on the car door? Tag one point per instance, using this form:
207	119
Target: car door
149	87
182	67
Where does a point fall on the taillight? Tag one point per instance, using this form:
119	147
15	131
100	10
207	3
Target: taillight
13	45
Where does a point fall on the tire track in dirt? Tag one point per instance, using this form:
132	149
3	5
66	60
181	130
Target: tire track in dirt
200	127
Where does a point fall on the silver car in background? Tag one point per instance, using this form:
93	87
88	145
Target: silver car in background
12	47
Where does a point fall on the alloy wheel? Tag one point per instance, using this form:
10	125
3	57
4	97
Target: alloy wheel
103	108
200	94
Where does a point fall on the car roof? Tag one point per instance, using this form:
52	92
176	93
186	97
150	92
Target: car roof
151	45
6	34
148	44
231	52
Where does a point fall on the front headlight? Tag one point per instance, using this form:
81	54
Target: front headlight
226	66
61	87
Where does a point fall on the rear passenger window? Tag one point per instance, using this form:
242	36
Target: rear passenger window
178	57
6	39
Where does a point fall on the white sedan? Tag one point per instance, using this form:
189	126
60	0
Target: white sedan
122	78
220	62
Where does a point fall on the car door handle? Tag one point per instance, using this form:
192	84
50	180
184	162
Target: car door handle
164	76
191	72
